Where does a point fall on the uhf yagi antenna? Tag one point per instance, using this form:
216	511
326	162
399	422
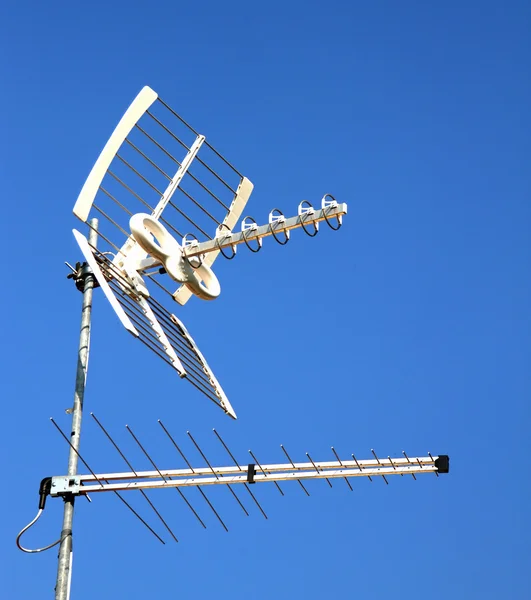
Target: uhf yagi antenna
161	204
169	204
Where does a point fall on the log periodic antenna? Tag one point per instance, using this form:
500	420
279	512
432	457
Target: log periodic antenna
231	476
161	204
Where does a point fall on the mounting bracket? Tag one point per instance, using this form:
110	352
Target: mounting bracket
63	485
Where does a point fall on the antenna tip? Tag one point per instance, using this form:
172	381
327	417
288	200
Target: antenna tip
158	421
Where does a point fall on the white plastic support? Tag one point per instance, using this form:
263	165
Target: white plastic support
177	178
250	227
328	201
100	277
274	221
224	401
165	343
157	241
138	107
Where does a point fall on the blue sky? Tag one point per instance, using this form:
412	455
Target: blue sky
407	329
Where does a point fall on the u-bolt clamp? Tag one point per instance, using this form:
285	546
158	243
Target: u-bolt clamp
274	220
305	208
221	238
190	244
250	227
327	204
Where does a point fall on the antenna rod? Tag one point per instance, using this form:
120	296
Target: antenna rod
64	567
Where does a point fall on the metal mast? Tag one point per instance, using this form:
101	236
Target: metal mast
84	280
146	194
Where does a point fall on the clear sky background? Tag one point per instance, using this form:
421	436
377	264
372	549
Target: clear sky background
407	329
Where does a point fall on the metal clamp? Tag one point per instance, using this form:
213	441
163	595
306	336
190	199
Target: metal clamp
250	227
329	204
273	220
190	244
305	208
218	238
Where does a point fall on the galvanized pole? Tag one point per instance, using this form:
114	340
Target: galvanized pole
64	568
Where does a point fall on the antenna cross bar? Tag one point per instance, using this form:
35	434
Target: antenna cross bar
226	240
84	484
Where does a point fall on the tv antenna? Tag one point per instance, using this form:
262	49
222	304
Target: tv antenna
161	204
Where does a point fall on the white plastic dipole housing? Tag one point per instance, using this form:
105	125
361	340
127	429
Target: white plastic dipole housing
155	239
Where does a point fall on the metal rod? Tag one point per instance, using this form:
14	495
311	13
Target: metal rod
64	566
328	480
108	484
191	221
289	458
219	178
227	449
437	474
359	467
194	131
217	477
131	191
152	340
146	204
392	463
190	197
156	282
339	460
72	447
131	467
191	468
239	477
195	370
187	148
164	478
374	454
101	236
160	146
169	155
265	474
406	456
148	159
351	468
201	452
110	219
169	130
139	174
236	463
201	184
115	200
140	518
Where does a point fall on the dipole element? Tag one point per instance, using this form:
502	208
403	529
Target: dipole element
64	567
